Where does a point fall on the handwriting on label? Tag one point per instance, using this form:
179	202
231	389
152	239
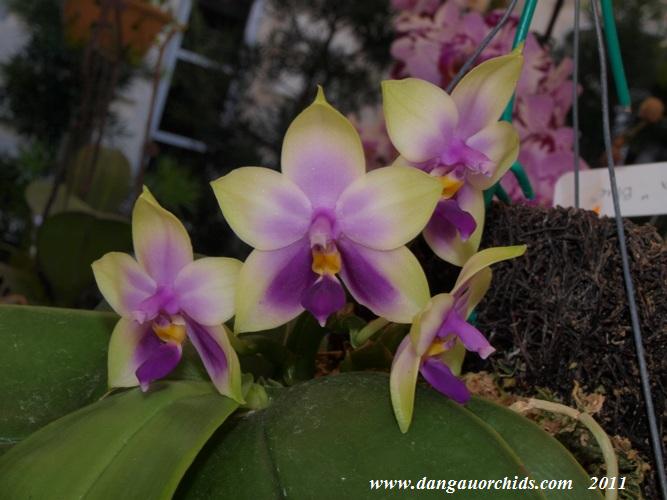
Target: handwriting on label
642	190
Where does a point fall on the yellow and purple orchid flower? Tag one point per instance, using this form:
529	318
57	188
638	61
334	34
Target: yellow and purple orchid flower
438	330
164	298
325	218
457	139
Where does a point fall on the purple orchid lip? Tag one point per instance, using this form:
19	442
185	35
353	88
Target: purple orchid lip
323	298
444	381
161	361
449	212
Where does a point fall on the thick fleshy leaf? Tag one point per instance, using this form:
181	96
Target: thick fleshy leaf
69	242
131	344
323	298
271	285
450	246
159	363
391	283
206	289
123	282
402	383
426	325
323	425
161	243
500	143
482	95
483	259
544	456
219	358
263	207
53	361
420	117
150	437
444	381
387	207
322	153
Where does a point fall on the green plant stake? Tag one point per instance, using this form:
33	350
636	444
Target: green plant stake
615	58
517	168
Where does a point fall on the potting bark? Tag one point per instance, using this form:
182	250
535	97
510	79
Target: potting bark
559	314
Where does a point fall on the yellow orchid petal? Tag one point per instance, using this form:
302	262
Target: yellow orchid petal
420	117
161	243
322	153
482	95
263	207
402	382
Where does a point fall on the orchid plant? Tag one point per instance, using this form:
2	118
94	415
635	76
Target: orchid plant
323	218
436	332
164	298
457	139
321	226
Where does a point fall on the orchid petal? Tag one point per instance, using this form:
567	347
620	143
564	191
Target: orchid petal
472	338
123	283
444	381
219	358
387	207
420	117
477	287
130	345
206	289
500	143
263	207
484	92
402	382
391	283
323	298
484	259
427	323
161	243
162	360
454	357
449	245
271	285
322	153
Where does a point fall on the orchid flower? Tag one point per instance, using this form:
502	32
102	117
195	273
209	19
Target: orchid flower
440	328
165	298
325	220
457	139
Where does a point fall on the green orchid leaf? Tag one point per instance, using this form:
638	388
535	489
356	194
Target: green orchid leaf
131	445
69	242
53	362
111	181
333	435
543	455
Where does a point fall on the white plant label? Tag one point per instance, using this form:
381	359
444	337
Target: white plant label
642	190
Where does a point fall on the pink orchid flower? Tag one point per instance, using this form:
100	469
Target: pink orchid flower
438	330
166	298
325	218
457	139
